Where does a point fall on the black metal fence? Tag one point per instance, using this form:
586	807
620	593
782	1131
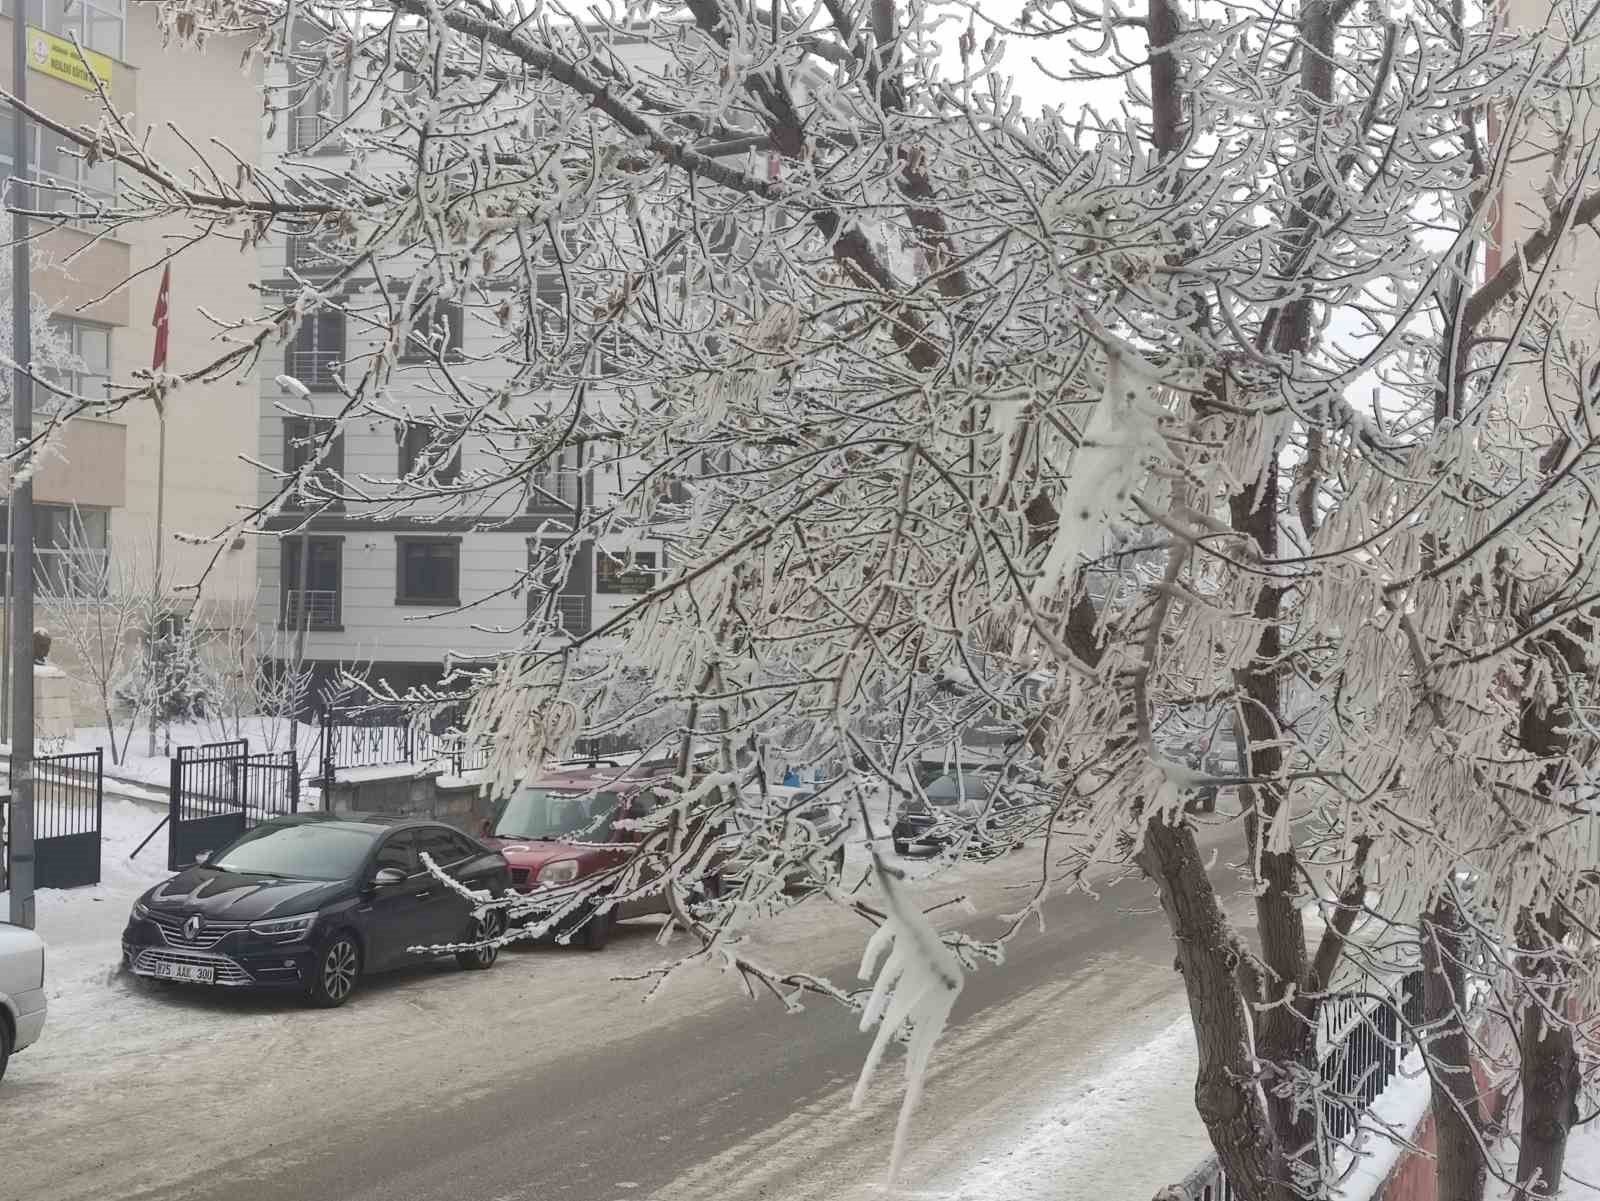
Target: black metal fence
1366	1031
220	790
68	805
392	736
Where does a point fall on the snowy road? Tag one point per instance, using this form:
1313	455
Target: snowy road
545	1078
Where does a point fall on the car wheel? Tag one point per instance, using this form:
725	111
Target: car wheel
5	1047
484	929
338	969
597	930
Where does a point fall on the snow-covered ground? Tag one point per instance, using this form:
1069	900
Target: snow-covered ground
82	927
1002	1110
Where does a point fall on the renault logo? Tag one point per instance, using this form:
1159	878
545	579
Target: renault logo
191	928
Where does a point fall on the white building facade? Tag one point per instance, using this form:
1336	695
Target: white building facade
402	591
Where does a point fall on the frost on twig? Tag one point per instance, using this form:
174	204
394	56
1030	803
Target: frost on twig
918	981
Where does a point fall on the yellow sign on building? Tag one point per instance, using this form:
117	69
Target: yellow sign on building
59	58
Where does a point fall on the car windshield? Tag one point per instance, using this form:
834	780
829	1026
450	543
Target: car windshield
960	785
313	851
547	813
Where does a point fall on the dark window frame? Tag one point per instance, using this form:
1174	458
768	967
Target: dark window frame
299	434
609	576
401	595
547	481
326	350
426	323
445	473
288	581
578	586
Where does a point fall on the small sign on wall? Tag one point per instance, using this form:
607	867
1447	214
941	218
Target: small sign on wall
59	59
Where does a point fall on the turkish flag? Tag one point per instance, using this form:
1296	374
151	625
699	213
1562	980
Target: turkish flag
159	360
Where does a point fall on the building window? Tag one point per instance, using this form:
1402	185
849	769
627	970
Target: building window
629	573
71	548
557	484
72	186
317	351
566	289
88	370
303	442
97	24
317	253
436	330
316	600
428	451
568	599
322	103
427	571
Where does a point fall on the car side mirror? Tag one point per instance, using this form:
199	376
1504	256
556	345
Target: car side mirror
389	875
202	858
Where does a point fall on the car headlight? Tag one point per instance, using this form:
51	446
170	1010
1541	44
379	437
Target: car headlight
141	911
558	872
281	926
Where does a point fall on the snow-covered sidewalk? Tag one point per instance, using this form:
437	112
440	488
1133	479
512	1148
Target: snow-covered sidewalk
82	927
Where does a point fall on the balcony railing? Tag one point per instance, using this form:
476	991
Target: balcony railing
316	369
321	608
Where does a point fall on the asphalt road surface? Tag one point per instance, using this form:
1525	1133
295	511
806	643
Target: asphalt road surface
547	1077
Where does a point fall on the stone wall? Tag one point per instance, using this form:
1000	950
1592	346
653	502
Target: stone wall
418	795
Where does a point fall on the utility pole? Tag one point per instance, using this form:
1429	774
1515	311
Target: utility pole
21	580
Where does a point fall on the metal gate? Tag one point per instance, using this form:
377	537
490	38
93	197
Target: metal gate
68	802
219	791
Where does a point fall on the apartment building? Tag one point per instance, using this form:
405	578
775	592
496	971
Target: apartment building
399	591
101	288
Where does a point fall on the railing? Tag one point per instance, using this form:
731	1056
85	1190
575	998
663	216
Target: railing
320	609
1364	1033
316	369
389	737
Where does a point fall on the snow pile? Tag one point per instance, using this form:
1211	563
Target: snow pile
1384	1133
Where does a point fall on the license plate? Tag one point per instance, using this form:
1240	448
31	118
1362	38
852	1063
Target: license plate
194	973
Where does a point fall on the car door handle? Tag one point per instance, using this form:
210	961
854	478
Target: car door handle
426	892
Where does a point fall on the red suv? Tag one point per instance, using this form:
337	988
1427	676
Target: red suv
559	828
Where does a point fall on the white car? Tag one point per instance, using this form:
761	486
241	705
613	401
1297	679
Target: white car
22	1005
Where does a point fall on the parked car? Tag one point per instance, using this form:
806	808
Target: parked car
22	1003
315	902
935	822
797	815
558	829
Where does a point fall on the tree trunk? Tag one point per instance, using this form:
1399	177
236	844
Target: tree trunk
1550	1070
1458	1115
1227	1095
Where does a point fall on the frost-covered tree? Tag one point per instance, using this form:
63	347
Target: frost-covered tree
1218	409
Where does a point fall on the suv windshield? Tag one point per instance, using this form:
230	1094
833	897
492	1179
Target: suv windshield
546	813
958	786
306	852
